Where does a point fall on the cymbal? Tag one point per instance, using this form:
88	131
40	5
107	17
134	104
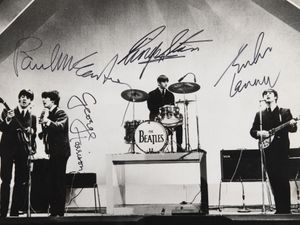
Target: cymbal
134	95
184	101
184	87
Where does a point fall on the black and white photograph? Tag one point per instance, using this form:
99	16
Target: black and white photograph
149	112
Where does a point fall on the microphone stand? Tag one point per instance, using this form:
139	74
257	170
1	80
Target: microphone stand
29	164
29	185
298	194
243	209
261	160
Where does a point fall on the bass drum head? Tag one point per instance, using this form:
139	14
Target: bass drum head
150	137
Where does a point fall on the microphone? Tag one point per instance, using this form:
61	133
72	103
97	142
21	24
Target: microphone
179	80
44	114
262	100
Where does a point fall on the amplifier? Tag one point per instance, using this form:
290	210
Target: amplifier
81	180
294	163
39	188
244	164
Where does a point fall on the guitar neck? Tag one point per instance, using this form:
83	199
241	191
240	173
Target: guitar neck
5	105
8	108
280	127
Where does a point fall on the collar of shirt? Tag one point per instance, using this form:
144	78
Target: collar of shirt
161	90
52	108
20	109
273	107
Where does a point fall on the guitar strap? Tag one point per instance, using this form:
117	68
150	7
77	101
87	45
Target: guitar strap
280	117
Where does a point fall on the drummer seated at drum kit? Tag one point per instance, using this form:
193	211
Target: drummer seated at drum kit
161	103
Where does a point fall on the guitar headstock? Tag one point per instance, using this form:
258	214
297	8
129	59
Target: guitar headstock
1	100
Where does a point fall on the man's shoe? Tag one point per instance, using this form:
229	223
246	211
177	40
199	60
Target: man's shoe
14	214
282	212
180	149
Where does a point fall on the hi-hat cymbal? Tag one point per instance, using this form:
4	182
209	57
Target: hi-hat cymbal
134	95
184	87
184	101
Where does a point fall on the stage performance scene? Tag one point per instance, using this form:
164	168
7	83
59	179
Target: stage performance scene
149	112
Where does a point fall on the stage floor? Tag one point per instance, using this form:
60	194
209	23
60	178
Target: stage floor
94	219
226	216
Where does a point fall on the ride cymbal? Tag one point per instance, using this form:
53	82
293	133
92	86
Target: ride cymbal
134	95
184	87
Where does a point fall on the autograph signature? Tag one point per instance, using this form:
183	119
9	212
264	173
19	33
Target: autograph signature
143	53
78	128
59	61
238	86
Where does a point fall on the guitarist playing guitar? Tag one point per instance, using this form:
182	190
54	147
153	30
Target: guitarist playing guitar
18	127
276	124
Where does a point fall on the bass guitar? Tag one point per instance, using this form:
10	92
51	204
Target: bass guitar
24	137
266	142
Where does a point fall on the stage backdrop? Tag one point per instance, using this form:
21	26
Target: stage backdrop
91	51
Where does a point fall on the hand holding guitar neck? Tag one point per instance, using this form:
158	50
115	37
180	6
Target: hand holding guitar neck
23	133
293	122
9	115
268	139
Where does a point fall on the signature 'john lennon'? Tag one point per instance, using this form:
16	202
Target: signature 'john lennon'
237	85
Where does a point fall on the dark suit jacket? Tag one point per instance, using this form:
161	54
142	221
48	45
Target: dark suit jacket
58	133
10	143
157	100
269	123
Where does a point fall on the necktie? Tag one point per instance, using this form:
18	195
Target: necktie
23	113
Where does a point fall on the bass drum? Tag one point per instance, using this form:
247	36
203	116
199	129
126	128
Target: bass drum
151	137
130	127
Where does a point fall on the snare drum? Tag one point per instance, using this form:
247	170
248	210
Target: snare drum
170	116
151	137
130	127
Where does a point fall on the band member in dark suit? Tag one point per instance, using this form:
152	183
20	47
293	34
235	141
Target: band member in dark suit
159	97
13	150
55	132
276	155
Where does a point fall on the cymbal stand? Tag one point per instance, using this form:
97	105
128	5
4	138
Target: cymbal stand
197	124
186	124
132	147
171	129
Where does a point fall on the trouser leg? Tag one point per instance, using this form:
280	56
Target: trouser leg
19	197
58	187
178	130
6	175
277	166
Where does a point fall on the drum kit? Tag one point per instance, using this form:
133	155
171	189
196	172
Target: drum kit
152	136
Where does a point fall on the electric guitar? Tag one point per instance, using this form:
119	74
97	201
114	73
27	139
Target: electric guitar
24	137
266	142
